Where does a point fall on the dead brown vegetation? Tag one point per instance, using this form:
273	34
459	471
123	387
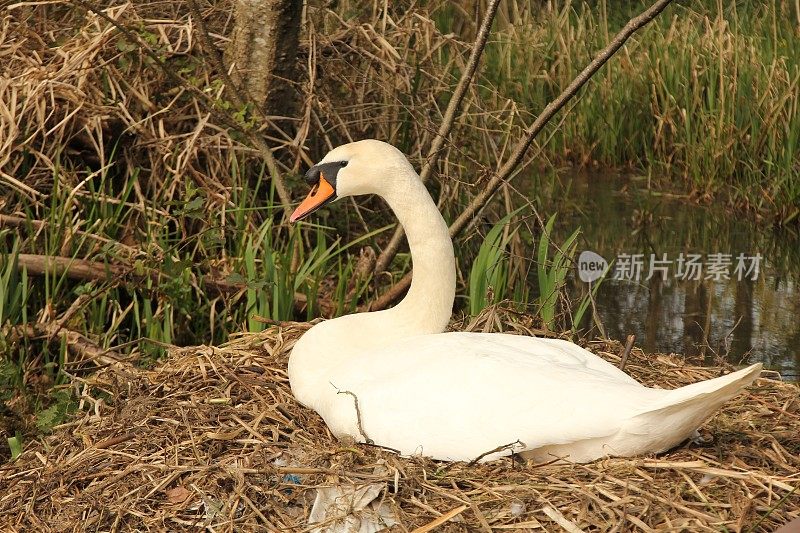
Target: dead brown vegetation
212	438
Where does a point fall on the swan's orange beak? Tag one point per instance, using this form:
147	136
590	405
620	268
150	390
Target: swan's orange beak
321	193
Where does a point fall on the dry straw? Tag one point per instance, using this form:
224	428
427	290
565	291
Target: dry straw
212	438
97	99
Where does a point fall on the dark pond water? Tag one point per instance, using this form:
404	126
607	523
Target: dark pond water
719	285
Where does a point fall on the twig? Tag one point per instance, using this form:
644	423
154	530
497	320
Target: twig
447	124
215	56
627	351
73	308
76	343
271	322
119	439
508	168
509	446
358	415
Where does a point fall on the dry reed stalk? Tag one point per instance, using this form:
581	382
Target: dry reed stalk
80	70
210	104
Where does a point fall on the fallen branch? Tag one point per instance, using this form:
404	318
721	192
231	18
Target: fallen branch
77	344
501	448
450	115
86	270
8	220
504	174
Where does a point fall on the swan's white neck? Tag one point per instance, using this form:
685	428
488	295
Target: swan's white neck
429	303
426	308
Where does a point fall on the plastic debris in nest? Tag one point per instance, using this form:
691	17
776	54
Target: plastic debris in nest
353	508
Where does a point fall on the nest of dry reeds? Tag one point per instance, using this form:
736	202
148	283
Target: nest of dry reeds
212	438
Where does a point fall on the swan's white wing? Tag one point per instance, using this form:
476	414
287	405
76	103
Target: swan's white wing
555	352
458	395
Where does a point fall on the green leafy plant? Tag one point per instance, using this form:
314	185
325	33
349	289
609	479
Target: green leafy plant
15	446
62	405
580	310
489	274
13	294
552	272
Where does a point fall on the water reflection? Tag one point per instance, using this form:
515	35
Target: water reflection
738	319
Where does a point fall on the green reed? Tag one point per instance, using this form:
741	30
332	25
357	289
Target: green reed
708	93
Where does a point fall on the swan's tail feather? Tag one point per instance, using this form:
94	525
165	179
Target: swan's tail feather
681	411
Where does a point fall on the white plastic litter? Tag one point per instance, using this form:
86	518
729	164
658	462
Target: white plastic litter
351	509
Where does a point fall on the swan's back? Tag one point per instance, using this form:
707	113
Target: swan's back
456	396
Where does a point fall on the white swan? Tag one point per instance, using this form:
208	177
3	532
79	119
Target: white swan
394	378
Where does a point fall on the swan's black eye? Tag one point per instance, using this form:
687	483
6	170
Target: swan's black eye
343	163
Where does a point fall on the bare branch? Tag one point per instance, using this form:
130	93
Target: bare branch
77	344
241	99
447	124
482	199
508	168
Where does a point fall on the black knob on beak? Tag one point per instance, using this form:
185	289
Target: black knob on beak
327	170
312	176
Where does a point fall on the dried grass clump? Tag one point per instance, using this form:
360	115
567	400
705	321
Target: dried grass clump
82	97
212	438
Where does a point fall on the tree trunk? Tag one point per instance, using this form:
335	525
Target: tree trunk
263	51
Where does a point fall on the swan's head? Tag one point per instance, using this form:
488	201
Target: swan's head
362	167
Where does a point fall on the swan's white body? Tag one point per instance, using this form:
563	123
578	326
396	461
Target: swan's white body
459	396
